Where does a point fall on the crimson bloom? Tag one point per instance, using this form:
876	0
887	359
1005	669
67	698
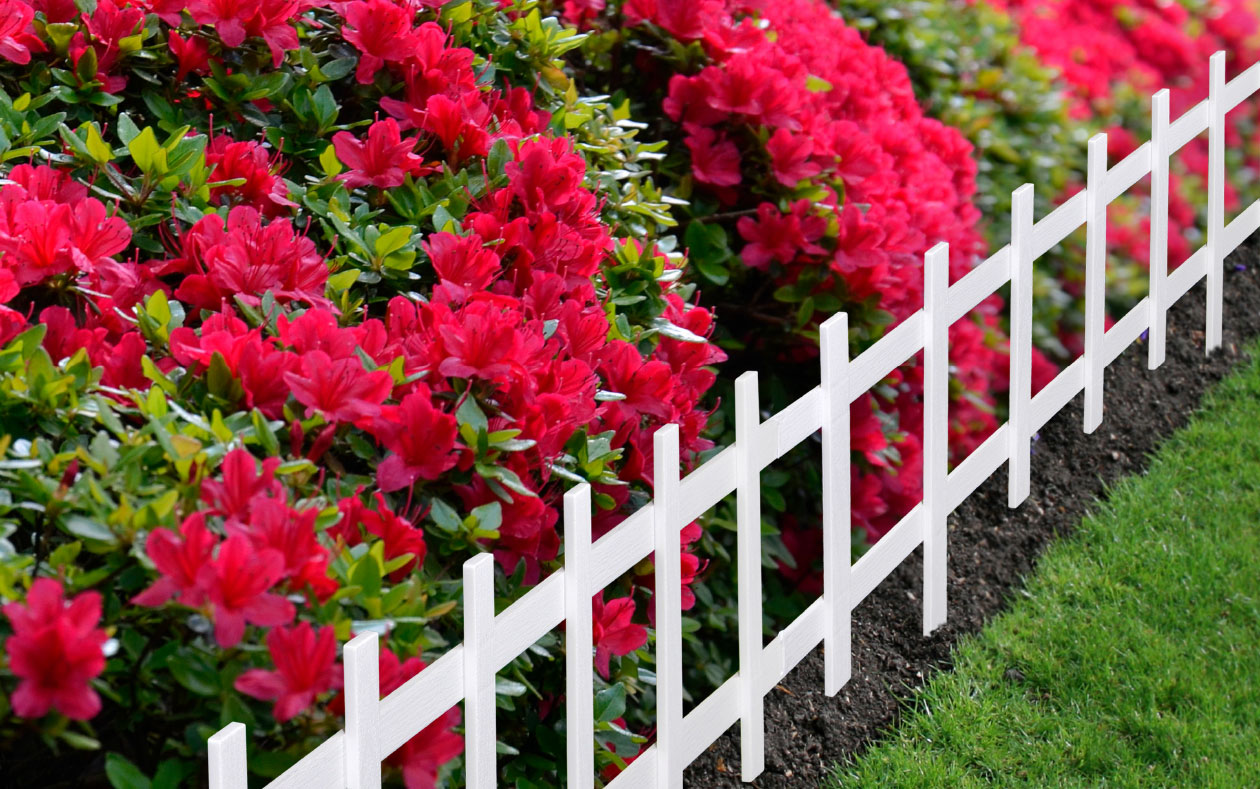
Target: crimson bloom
237	584
422	438
306	666
383	160
242	481
714	159
614	633
382	32
340	390
55	651
179	559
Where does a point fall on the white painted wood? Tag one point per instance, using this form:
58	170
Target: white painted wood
887	354
363	712
641	773
1186	276
623	547
1242	86
1021	344
578	639
322	768
710	718
935	434
704	487
1058	224
748	556
969	474
480	731
540	607
837	521
1125	175
796	423
890	551
1058	393
792	644
422	699
668	594
1125	331
1160	150
1190	125
1216	202
1243	226
226	753
1095	280
979	284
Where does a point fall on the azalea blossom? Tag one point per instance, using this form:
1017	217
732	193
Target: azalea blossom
306	666
55	652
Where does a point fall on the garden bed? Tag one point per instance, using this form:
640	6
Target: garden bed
992	548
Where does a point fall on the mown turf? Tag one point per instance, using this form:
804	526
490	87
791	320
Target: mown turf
1133	656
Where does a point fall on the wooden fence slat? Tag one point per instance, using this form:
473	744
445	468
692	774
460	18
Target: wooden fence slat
1020	480
227	758
748	556
1095	279
480	733
837	388
1160	152
1216	202
668	594
935	434
363	712
579	638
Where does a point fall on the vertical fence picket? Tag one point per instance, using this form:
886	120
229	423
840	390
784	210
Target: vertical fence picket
935	434
480	734
578	638
1095	278
748	518
837	518
1216	201
1020	432
1160	152
363	712
227	758
669	702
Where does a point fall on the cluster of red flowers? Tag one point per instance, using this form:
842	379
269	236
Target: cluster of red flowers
1098	46
792	97
515	319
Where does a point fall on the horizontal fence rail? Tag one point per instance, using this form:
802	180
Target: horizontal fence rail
375	727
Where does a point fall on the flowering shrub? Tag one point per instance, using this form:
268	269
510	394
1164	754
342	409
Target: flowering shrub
285	340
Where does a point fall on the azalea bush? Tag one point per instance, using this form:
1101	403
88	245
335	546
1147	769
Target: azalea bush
304	305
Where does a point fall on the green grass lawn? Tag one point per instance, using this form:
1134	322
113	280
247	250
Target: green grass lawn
1133	658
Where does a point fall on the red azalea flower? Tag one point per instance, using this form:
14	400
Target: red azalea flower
463	264
399	535
614	633
179	559
384	160
647	385
263	189
790	157
16	38
192	53
482	341
382	32
306	666
55	651
242	484
340	390
714	159
236	582
422	438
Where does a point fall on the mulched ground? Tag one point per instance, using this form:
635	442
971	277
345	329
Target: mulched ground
992	548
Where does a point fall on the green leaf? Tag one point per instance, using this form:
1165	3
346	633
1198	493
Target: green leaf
88	529
123	774
444	516
329	162
148	155
610	703
96	147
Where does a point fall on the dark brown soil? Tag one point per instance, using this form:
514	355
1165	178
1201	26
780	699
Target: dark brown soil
992	548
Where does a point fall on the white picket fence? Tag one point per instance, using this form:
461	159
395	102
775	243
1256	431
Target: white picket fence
375	727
